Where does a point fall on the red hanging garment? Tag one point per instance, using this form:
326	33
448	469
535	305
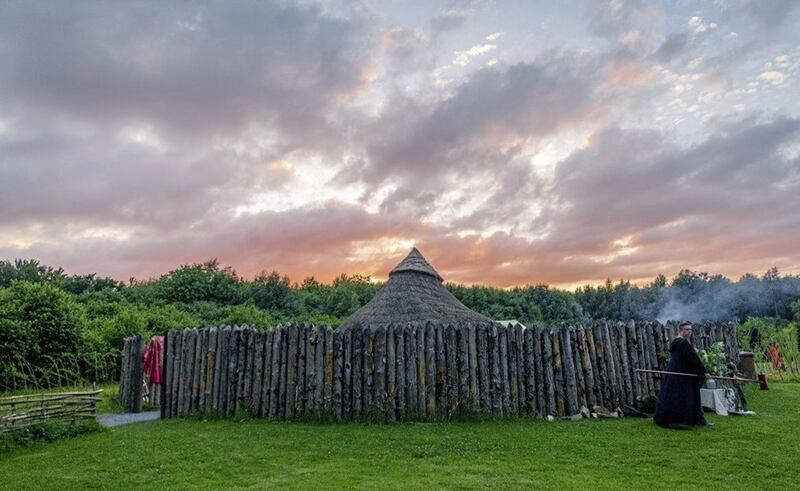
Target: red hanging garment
153	356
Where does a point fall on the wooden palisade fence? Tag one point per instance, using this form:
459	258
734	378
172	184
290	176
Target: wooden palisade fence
131	375
20	412
417	372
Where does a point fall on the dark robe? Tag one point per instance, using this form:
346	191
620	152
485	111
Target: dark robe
679	398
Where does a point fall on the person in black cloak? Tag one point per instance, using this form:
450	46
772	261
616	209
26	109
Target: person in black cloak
678	404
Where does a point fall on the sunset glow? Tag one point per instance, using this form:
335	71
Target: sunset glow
513	143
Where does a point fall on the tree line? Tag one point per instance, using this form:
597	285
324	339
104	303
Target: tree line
55	326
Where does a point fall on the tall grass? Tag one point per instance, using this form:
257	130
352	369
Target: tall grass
63	370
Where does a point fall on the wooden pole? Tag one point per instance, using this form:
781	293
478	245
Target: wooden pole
358	370
495	386
391	373
266	376
275	372
338	367
347	376
715	377
400	368
380	372
513	374
430	371
421	385
411	372
472	346
462	334
484	362
549	372
451	356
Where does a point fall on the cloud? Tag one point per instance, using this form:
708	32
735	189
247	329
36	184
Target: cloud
153	116
315	240
773	13
672	47
138	136
472	135
773	77
464	57
698	25
681	203
187	69
453	18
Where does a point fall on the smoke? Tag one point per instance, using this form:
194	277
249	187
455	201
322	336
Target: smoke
698	297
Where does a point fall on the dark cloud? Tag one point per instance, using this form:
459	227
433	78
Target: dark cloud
685	203
480	126
104	179
214	93
771	13
196	69
453	16
672	47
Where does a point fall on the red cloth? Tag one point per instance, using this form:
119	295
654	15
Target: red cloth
153	358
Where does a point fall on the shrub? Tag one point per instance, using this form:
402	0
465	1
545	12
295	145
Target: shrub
248	314
198	282
38	323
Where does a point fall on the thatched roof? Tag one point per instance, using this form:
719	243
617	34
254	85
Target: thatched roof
414	293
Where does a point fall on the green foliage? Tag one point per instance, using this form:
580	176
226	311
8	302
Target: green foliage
110	323
714	358
271	291
248	314
103	311
28	270
349	293
201	282
760	334
526	304
37	322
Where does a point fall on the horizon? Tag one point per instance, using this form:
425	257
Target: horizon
297	283
512	142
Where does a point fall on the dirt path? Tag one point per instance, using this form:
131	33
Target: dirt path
110	420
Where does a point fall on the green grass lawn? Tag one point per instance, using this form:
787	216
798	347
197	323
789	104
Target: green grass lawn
739	453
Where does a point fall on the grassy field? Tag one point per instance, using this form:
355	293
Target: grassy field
739	453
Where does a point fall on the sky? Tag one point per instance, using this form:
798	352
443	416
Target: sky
513	142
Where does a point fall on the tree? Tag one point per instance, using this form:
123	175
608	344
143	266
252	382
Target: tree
28	270
271	291
201	282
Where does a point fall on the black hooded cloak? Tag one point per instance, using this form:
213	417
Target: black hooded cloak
679	398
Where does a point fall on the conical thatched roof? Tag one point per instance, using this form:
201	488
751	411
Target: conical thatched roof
414	293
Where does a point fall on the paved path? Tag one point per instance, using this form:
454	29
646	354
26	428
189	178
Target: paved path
110	420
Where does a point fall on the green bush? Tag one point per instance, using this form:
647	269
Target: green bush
201	282
39	323
111	323
248	314
759	334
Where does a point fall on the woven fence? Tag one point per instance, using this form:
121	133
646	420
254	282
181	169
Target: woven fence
418	372
20	412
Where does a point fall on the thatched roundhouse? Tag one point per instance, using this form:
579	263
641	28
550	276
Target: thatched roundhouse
414	293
